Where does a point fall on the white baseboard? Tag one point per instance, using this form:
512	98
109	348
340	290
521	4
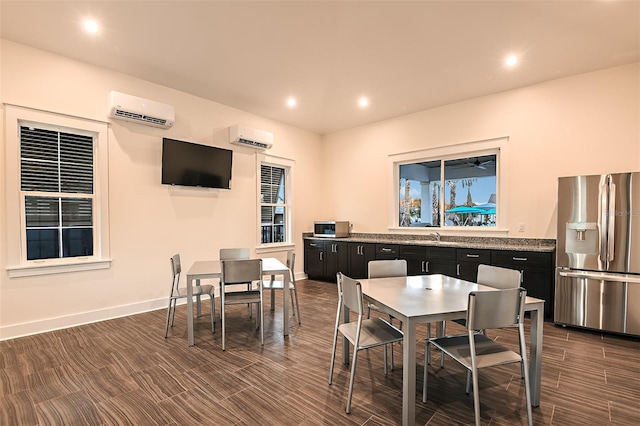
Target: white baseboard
66	321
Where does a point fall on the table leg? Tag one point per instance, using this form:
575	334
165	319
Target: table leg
535	357
190	311
286	279
409	373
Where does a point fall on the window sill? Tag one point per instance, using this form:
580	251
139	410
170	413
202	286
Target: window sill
279	247
453	230
35	270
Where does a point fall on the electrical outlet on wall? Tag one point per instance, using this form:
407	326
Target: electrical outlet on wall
521	227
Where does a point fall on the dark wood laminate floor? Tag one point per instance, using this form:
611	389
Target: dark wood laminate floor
123	371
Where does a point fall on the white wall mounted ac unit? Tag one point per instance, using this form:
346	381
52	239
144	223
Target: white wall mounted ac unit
254	138
142	111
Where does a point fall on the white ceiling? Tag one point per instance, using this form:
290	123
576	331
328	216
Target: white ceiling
406	56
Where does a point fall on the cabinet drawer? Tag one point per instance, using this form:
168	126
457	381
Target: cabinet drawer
413	252
518	259
441	253
313	244
386	251
474	255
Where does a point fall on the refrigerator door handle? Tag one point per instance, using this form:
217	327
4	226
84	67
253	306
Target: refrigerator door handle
603	204
611	221
600	276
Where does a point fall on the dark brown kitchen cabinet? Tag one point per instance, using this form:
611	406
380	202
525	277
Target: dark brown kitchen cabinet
324	258
429	260
359	256
537	272
314	259
337	259
468	261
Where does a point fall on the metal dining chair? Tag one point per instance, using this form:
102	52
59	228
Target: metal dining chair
181	293
236	254
243	272
362	333
274	285
491	276
497	309
383	269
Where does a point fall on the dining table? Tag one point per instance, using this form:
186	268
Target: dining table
212	269
432	299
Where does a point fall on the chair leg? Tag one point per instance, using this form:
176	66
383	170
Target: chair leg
213	313
468	389
476	397
198	310
166	328
173	313
352	378
297	307
261	307
391	345
384	358
335	343
222	320
525	371
426	364
273	299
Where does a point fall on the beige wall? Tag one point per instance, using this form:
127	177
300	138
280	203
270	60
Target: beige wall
586	124
589	123
149	221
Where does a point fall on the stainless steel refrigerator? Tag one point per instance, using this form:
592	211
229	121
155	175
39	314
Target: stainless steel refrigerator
598	252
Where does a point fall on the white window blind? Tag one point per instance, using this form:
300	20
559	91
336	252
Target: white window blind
57	191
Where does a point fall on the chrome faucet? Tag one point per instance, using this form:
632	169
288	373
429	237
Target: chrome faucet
436	236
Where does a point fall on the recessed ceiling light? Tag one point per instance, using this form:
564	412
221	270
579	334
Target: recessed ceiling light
292	102
91	26
363	102
511	61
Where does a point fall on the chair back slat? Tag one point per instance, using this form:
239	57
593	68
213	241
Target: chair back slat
351	293
495	309
497	277
176	269
241	271
234	253
387	268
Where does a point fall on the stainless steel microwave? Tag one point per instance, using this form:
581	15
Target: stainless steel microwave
331	229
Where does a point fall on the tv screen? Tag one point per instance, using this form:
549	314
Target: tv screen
192	164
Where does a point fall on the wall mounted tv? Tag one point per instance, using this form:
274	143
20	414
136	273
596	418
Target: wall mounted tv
192	164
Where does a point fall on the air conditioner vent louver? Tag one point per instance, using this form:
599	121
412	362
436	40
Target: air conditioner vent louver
254	138
140	117
142	111
253	143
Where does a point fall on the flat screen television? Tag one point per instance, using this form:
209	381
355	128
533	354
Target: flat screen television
192	164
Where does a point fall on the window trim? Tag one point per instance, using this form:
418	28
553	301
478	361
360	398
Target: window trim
17	265
498	146
288	165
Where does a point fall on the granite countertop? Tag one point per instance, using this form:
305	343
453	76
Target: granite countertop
489	243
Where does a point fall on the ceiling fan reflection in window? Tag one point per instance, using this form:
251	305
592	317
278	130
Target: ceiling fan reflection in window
482	164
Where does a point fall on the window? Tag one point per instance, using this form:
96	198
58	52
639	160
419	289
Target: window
56	189
450	187
274	202
57	186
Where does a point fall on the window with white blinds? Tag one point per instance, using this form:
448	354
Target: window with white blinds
273	204
57	192
56	184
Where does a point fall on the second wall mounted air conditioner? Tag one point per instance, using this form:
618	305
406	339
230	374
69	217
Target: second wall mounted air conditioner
247	136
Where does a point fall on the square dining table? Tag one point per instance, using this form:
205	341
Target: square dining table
212	269
433	299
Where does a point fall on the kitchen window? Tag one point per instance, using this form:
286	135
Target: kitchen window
57	188
274	201
450	189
